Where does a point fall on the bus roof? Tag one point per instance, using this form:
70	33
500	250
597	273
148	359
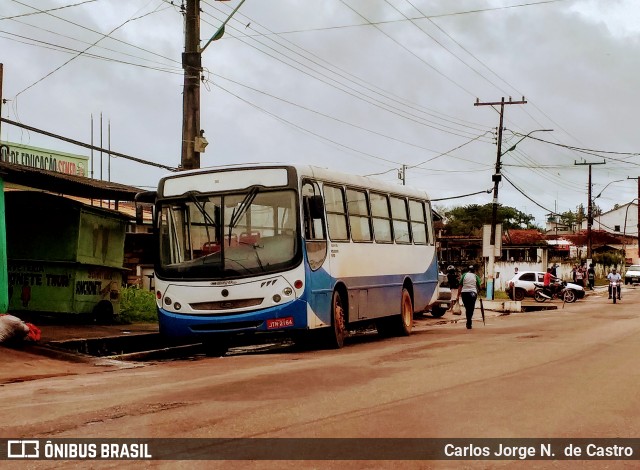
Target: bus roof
322	174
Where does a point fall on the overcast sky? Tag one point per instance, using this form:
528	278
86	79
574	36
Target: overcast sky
360	85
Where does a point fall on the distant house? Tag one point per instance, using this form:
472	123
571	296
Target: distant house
523	245
623	220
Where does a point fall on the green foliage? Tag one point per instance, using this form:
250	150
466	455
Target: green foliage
470	219
137	305
609	259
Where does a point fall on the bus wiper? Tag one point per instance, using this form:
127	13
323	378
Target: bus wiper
239	210
200	205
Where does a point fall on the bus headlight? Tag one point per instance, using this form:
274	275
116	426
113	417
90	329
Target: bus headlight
277	298
287	291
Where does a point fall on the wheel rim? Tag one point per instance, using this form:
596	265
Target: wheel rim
338	318
407	310
569	296
539	297
519	295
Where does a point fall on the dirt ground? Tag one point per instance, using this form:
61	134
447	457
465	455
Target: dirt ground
29	361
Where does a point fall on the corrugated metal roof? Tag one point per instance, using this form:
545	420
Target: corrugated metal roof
63	184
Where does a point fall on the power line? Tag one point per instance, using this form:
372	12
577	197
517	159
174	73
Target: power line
87	146
486	191
466	12
354	78
410	52
350	90
45	11
103	36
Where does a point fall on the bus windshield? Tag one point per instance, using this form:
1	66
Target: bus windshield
216	237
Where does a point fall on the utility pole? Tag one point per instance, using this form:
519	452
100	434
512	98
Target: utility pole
589	206
192	66
497	177
193	140
402	174
628	177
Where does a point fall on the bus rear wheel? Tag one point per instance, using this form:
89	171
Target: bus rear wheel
398	325
405	322
338	330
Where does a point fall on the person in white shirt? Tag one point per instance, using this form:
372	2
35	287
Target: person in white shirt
614	276
468	292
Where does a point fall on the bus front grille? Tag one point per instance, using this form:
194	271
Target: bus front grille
239	325
226	304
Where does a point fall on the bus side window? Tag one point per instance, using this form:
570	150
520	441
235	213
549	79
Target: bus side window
336	213
418	222
359	217
400	220
430	235
381	218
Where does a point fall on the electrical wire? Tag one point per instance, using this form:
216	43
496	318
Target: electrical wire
45	11
346	74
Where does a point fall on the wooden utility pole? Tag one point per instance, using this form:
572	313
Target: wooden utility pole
589	207
192	66
638	202
497	177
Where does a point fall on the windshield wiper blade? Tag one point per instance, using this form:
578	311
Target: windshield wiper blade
239	211
200	205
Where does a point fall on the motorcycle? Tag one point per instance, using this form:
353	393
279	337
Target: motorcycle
614	290
540	294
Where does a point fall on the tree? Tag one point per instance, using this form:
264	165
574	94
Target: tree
468	220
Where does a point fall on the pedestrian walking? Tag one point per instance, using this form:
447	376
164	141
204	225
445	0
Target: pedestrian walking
579	276
468	292
591	276
452	280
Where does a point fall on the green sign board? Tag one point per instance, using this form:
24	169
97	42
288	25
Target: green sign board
44	159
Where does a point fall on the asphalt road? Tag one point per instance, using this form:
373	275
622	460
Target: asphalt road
568	373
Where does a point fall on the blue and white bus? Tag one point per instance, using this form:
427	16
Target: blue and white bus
290	248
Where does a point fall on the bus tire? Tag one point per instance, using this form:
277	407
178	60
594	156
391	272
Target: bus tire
103	313
216	346
338	330
437	312
405	321
398	325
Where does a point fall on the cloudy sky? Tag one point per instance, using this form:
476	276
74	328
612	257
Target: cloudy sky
366	86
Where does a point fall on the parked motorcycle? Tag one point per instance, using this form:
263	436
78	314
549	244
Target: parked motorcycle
540	294
614	290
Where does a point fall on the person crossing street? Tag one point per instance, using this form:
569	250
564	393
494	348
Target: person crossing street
468	292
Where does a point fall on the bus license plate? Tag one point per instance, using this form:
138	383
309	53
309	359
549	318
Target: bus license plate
274	323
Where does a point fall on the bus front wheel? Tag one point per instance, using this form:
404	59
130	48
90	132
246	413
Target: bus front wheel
216	346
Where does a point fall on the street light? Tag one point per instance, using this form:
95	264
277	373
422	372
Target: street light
624	234
497	177
220	32
607	185
513	147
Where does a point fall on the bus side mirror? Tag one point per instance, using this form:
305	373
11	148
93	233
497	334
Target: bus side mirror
316	207
139	214
147	196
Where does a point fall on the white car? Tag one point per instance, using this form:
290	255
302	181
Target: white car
523	284
633	274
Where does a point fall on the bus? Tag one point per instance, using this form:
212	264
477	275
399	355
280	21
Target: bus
293	249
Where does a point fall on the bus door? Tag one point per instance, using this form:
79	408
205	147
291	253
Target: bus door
319	281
